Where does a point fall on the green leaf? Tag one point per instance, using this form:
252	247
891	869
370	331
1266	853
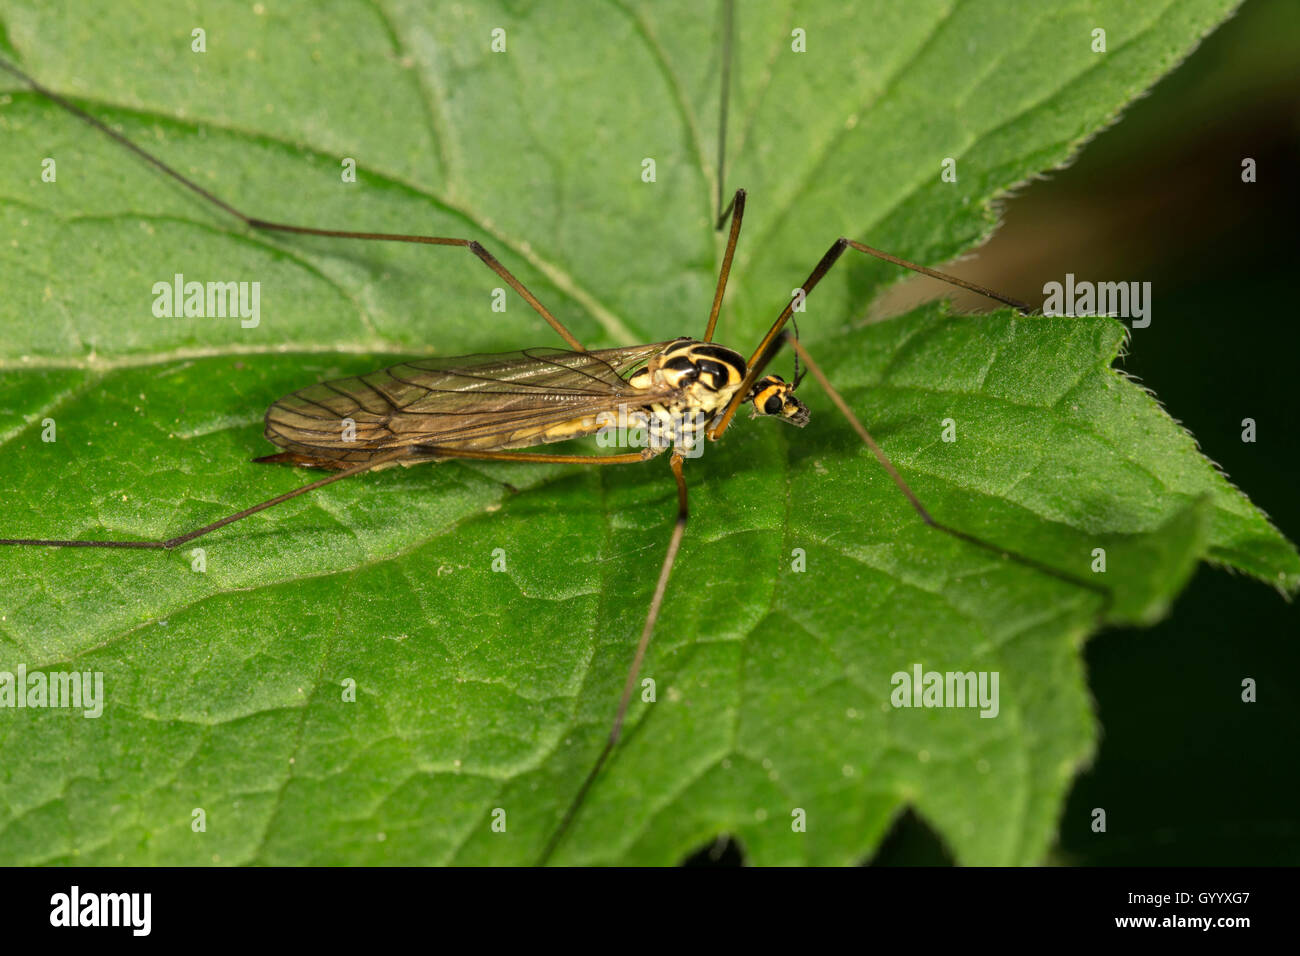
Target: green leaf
478	690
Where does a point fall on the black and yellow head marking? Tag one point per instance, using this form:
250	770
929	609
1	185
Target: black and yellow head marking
773	395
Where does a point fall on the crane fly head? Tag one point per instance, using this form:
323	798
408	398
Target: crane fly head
773	395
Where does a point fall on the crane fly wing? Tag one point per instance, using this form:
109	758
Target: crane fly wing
486	402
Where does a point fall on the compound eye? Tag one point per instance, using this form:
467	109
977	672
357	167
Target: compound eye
773	405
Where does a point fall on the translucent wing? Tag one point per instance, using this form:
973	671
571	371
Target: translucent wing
483	402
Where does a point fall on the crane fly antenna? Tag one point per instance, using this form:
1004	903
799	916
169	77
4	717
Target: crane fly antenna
266	225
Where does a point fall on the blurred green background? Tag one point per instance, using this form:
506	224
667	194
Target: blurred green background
1187	773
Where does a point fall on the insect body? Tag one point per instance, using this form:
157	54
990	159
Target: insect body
671	390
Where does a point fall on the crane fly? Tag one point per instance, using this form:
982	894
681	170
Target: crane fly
681	393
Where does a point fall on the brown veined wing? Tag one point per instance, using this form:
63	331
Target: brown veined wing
482	402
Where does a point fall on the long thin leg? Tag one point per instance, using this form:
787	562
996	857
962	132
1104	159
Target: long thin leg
199	532
629	458
724	100
629	685
736	209
765	348
737	213
915	502
433	453
253	222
